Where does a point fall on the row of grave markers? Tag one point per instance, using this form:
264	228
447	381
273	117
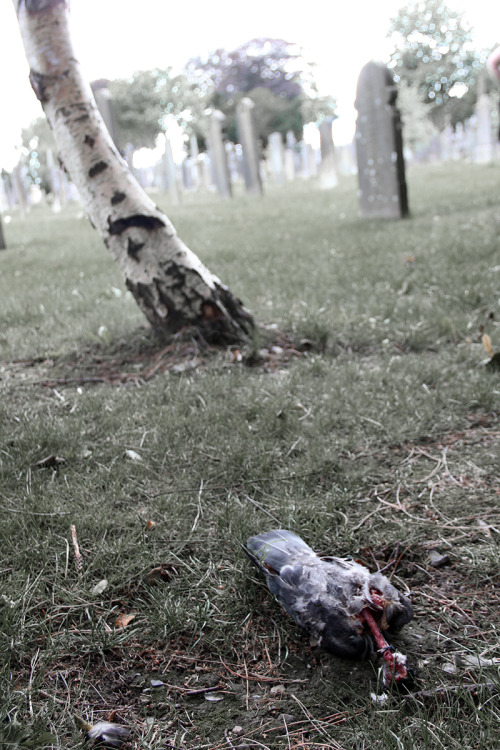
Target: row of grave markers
377	154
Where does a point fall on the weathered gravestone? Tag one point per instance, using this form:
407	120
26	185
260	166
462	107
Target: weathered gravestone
55	182
327	169
195	161
290	167
102	98
447	143
247	136
379	145
21	191
277	157
6	198
171	172
485	145
218	155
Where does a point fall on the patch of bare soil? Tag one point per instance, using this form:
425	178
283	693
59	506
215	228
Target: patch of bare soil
144	357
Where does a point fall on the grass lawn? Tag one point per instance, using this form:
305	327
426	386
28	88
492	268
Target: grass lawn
362	416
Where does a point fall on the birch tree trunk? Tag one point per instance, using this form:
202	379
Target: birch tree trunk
170	284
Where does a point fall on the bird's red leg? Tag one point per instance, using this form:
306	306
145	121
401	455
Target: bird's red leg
396	663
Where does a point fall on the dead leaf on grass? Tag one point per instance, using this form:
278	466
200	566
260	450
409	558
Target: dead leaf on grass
123	620
487	344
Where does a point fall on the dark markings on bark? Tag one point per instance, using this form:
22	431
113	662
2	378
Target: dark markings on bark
137	220
39	83
117	197
235	307
175	273
97	168
82	118
89	141
210	317
133	248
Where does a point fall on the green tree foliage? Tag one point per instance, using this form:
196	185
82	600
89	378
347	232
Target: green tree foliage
434	55
273	73
270	63
418	127
143	104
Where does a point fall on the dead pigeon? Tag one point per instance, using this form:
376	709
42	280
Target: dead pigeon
104	733
339	602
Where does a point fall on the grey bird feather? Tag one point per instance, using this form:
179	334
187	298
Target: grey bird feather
105	733
325	596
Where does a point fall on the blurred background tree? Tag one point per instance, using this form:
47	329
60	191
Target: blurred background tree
434	55
271	72
143	104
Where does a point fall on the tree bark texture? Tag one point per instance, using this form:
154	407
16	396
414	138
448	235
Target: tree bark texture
171	285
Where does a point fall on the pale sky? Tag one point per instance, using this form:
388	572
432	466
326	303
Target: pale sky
113	38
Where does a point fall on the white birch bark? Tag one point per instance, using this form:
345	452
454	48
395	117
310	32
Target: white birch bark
171	285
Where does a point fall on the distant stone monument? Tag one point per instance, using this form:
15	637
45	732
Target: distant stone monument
485	145
20	189
102	98
327	168
218	155
247	136
171	173
379	145
195	161
6	198
290	147
277	157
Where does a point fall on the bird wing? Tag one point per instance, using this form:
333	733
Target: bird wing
314	592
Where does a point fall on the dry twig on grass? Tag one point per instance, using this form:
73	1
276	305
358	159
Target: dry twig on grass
78	557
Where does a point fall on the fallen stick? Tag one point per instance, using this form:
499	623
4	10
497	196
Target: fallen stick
78	557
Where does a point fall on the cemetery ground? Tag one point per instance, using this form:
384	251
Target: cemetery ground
362	416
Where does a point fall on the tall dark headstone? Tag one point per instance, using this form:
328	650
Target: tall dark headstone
379	145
